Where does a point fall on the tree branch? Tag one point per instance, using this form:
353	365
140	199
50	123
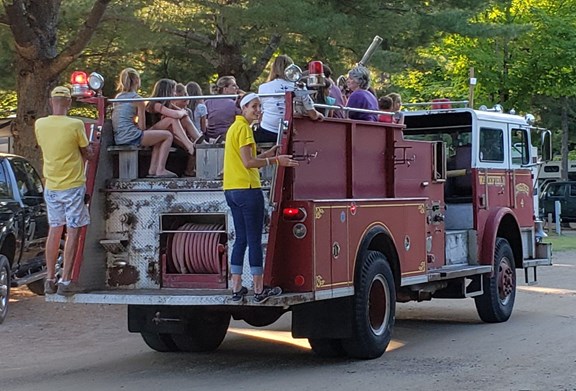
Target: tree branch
205	55
76	45
189	35
258	66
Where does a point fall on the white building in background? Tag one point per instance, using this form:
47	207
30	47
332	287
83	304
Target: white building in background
5	135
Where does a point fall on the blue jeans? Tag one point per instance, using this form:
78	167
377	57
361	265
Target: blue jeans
247	206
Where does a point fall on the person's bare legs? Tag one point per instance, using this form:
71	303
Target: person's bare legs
70	246
258	280
191	130
52	250
160	141
177	130
236	282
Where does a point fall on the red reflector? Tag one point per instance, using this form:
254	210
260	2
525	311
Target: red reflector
299	280
294	214
316	68
79	77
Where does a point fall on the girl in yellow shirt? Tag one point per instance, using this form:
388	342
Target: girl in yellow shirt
244	196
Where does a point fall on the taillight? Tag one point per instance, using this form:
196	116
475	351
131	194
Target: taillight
294	214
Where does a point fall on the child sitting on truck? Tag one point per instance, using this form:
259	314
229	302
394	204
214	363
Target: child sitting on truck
165	115
129	131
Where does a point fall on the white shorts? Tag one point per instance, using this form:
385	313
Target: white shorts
67	207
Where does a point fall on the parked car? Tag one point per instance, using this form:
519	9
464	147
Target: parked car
565	192
23	228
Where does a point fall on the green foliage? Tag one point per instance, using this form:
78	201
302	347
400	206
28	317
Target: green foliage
564	242
7	103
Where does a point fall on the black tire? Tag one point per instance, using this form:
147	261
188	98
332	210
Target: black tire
374	308
496	303
260	316
205	332
4	287
37	287
159	342
325	347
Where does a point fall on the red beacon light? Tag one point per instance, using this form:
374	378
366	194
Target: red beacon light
315	74
86	86
80	87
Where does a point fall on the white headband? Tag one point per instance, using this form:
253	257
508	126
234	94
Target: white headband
248	98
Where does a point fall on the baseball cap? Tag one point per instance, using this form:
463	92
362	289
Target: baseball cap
60	92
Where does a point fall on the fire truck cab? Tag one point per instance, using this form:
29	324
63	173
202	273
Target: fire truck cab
375	214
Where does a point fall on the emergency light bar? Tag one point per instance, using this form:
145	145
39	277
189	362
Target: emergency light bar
85	86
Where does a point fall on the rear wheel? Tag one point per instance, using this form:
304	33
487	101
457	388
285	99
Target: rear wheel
4	287
496	303
205	332
159	342
373	309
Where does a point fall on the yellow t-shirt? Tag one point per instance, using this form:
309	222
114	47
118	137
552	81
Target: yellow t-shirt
236	176
61	138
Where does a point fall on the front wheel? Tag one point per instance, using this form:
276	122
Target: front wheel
37	287
496	303
4	287
374	308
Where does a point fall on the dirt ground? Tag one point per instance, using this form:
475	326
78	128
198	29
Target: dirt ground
438	345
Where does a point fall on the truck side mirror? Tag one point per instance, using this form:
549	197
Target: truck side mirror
546	145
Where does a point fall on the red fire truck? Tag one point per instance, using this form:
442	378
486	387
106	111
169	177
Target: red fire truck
375	214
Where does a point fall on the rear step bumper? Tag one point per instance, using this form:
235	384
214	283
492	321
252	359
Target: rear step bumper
178	297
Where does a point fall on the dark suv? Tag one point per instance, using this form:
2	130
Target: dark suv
23	228
565	192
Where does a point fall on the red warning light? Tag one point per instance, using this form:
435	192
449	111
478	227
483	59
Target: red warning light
79	77
316	68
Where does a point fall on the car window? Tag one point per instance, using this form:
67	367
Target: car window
573	190
4	187
28	182
555	190
519	147
491	145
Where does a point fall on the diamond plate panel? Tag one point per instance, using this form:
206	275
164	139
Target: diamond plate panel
133	216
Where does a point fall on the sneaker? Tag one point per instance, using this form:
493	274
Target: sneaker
49	287
266	294
239	296
68	289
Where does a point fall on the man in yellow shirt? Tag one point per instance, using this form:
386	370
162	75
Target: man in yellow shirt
64	147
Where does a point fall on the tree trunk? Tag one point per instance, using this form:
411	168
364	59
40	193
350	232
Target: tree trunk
38	62
33	102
